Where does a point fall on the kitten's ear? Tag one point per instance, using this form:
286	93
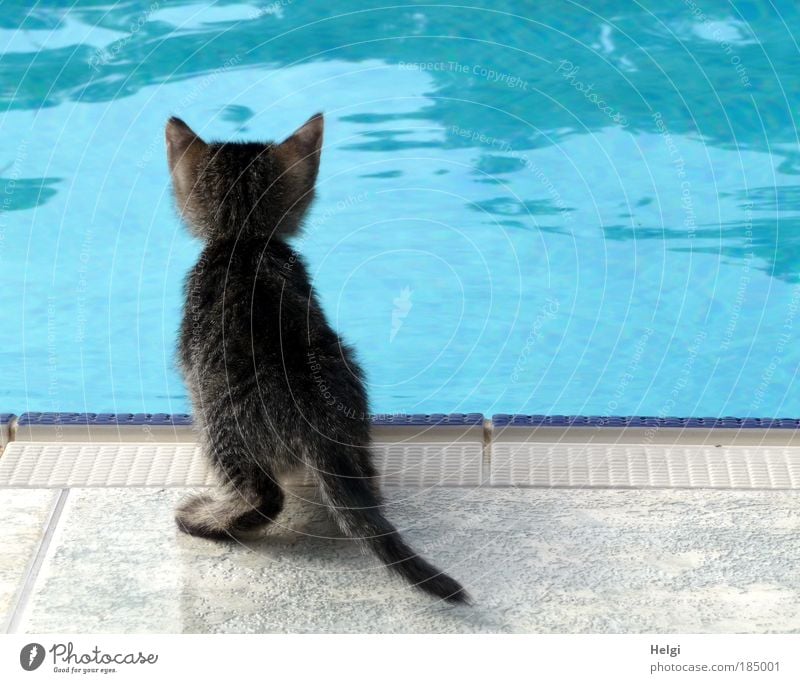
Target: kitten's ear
302	149
182	141
185	150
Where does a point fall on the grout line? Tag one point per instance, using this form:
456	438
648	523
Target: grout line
486	460
12	428
35	566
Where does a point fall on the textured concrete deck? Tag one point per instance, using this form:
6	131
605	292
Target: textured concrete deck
563	526
535	560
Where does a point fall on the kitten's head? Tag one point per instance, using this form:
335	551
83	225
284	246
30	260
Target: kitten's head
235	188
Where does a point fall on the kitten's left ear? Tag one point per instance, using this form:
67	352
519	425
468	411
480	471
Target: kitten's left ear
181	141
302	149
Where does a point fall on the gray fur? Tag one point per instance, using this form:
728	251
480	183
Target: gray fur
255	348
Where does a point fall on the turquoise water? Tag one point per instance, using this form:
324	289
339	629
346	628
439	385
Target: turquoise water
523	207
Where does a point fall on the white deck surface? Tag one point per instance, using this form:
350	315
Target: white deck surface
103	555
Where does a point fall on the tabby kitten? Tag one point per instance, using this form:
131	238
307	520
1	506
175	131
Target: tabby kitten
256	349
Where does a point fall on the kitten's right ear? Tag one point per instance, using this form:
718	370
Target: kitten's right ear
301	150
299	157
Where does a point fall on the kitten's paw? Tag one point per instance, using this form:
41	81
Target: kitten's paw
202	516
221	518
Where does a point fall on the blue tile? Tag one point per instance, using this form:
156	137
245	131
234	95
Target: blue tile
506	420
164	419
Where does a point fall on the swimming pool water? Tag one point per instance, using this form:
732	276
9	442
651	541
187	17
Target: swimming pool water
523	207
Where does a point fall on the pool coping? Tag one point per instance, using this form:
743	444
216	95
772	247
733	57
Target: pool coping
54	450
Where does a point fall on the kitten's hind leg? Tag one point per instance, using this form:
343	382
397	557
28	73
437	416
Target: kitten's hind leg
232	511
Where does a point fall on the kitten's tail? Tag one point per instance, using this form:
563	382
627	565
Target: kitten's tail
356	509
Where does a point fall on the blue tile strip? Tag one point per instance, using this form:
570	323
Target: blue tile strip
110	419
422	420
5	418
505	420
164	419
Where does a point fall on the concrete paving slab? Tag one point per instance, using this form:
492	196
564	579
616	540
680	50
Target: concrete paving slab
23	516
535	560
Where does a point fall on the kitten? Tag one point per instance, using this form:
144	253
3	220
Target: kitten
257	353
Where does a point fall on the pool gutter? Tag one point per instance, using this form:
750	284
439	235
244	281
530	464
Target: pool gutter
54	450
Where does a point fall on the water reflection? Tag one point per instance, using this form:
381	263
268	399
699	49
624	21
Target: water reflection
495	67
26	193
774	243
